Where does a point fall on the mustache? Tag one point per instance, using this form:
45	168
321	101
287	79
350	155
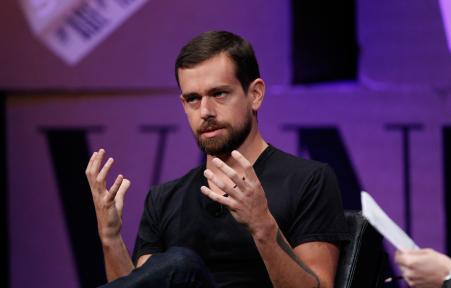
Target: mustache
209	125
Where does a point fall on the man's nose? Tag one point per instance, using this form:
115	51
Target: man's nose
207	108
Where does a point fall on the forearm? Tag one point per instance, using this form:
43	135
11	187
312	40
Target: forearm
117	259
285	269
109	205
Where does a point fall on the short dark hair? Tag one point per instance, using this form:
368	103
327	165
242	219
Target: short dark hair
212	43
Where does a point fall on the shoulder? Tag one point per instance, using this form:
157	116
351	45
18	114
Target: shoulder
294	173
290	164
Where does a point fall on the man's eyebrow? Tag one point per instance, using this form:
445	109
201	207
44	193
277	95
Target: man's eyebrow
218	89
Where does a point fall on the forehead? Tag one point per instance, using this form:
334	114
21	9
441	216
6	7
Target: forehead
216	71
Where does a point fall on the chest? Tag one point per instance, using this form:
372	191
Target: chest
208	227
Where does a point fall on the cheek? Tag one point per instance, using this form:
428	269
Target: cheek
193	124
240	113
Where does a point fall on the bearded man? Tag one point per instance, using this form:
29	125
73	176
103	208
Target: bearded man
251	216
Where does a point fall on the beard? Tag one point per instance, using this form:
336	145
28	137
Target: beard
223	145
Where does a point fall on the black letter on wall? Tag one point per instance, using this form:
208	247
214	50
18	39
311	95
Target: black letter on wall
326	145
324	43
405	129
70	155
447	183
4	242
162	131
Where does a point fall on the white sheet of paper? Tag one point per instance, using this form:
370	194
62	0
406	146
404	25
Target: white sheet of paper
445	6
386	226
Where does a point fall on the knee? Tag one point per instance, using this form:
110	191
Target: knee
177	267
184	259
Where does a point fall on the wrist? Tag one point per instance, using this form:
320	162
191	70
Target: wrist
108	232
266	229
111	241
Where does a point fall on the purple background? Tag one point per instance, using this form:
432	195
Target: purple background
405	76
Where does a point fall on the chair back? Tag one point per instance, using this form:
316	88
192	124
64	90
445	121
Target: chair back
363	259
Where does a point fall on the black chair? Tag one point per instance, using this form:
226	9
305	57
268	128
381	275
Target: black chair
363	260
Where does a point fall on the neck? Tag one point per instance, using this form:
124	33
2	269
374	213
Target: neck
251	149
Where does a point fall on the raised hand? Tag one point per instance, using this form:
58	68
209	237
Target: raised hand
245	199
108	203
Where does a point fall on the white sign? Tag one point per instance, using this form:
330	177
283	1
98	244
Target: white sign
72	28
41	14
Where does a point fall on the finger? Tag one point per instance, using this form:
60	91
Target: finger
249	172
115	187
230	173
399	257
419	251
226	189
91	160
89	172
97	161
409	277
120	196
405	273
409	282
404	260
101	177
221	199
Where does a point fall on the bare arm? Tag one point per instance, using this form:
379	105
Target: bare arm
109	204
322	258
308	265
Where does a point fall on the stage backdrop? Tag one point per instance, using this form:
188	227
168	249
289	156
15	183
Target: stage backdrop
389	143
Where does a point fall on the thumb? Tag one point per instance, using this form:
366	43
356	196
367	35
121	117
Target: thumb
400	256
120	196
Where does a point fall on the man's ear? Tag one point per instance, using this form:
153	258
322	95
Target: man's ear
256	91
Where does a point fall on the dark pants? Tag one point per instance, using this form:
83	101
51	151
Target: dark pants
177	267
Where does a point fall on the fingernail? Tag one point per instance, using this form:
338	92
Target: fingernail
207	173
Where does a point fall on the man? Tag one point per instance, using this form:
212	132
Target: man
425	268
253	215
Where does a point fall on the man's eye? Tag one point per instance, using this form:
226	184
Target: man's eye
191	99
219	93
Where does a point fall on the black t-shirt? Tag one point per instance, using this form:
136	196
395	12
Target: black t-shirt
303	196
